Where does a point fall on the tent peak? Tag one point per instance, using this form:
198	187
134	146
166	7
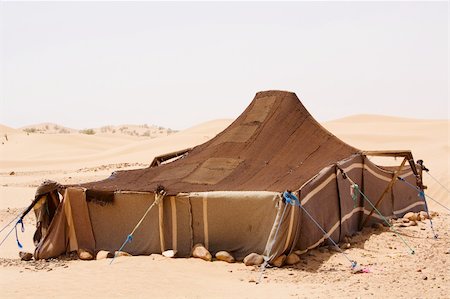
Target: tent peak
266	93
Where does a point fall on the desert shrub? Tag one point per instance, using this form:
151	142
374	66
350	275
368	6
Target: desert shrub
30	130
87	131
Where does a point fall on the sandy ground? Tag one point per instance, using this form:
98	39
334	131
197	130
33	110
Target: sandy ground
26	160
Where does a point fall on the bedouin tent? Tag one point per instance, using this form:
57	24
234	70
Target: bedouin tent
228	192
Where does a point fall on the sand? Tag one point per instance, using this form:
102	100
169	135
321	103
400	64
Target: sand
26	160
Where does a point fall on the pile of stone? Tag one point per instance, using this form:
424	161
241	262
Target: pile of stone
252	259
411	218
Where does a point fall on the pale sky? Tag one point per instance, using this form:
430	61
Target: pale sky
86	64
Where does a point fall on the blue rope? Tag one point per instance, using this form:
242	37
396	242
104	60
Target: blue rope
419	190
22	229
422	196
292	199
14	228
127	240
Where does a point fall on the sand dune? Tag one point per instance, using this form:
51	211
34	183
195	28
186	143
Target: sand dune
26	160
6	130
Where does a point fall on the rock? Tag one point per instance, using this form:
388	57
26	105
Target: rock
347	239
424	277
169	253
104	254
404	224
345	246
412	223
292	259
411	216
279	261
423	215
199	251
225	256
405	220
25	256
253	259
12	173
357	269
85	255
434	214
122	253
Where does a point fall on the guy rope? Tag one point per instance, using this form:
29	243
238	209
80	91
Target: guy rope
159	195
345	176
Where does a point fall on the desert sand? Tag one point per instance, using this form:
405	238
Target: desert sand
70	157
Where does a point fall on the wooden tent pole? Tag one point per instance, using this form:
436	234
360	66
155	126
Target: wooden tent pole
388	188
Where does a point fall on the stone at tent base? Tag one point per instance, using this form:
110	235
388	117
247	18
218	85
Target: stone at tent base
225	256
345	246
104	254
122	253
84	255
423	215
279	261
253	259
411	216
199	251
412	223
434	214
292	259
25	256
169	253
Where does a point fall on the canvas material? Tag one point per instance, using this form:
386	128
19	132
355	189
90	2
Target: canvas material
274	145
70	229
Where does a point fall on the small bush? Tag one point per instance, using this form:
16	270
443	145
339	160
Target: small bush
87	131
30	130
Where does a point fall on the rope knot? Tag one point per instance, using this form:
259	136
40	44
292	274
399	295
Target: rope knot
354	190
290	198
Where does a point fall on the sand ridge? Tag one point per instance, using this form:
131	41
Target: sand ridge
26	160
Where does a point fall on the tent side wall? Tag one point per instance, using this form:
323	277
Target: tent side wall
238	222
329	200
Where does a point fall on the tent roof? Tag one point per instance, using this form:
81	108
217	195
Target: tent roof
274	145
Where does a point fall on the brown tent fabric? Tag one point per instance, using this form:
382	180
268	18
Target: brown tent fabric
227	192
274	145
70	229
